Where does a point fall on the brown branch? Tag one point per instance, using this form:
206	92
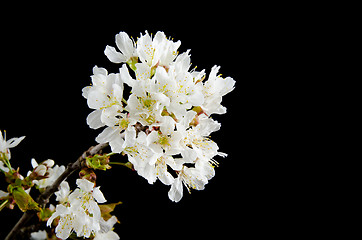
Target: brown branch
44	197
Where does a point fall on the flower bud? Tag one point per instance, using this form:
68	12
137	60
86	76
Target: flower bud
40	170
49	163
97	161
88	174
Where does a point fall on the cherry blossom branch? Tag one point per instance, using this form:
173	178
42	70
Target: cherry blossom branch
44	197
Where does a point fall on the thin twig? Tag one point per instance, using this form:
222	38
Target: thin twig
44	197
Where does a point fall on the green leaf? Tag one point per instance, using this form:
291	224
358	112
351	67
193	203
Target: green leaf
106	210
24	201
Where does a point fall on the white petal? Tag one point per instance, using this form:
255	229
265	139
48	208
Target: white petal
98	195
189	155
143	71
228	86
85	185
149	172
145	48
126	78
106	136
161	98
176	190
94	119
41	170
2	167
130	137
114	56
117	144
13	142
166	178
39	235
109	114
34	164
64	228
85	91
110	235
125	44
168	125
60	210
97	99
49	163
118	92
98	70
196	99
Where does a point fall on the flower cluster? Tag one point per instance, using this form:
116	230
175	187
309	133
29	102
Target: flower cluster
79	212
163	125
46	171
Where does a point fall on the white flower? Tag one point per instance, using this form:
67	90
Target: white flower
39	235
63	192
125	45
191	178
40	170
105	96
158	50
6	145
106	232
214	89
140	156
66	221
181	89
147	109
44	168
81	213
118	136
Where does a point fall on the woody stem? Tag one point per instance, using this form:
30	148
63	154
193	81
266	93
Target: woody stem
44	197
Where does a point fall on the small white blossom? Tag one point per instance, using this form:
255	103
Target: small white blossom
158	50
63	192
39	235
214	89
125	45
6	145
44	168
106	232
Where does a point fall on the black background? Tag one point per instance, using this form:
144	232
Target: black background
49	55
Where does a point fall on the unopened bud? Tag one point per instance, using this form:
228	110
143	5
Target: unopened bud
40	170
88	174
49	163
97	161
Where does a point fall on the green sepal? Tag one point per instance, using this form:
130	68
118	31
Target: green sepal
44	214
132	63
99	162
